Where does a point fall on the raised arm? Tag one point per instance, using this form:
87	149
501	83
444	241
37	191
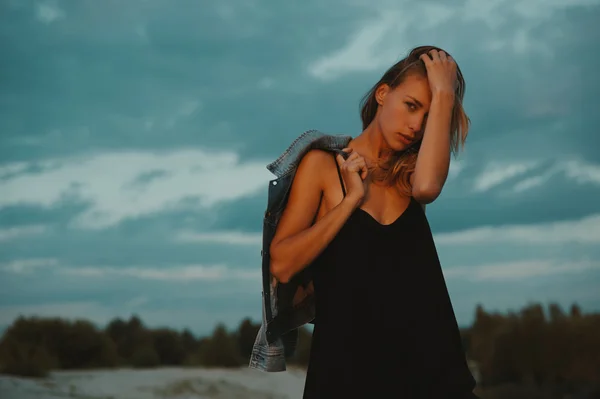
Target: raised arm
433	160
296	242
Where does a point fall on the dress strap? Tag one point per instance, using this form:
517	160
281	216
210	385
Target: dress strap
339	174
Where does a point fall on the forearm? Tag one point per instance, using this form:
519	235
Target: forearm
290	255
433	161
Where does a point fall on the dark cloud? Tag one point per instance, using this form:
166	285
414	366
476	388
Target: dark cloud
148	242
144	75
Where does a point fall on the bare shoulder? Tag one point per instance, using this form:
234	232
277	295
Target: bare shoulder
315	159
320	164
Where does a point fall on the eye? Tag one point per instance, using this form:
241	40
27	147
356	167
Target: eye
411	106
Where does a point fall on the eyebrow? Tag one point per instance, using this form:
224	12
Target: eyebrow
415	100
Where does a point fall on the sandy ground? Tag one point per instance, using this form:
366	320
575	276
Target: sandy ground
172	383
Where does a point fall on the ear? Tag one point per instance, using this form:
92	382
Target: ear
381	92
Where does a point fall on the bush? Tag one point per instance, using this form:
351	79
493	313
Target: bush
220	350
247	335
145	357
25	359
169	347
554	351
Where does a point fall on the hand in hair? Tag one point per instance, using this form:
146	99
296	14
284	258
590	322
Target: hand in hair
441	72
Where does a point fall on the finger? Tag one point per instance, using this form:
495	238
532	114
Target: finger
352	166
364	171
342	153
348	167
434	55
451	59
426	59
353	156
341	157
347	150
443	56
357	160
359	166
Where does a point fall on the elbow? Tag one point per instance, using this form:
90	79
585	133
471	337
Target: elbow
278	269
426	194
280	272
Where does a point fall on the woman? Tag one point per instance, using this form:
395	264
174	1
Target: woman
360	223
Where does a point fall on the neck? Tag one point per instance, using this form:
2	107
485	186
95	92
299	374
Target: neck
371	144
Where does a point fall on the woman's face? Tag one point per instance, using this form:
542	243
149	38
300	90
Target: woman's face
402	111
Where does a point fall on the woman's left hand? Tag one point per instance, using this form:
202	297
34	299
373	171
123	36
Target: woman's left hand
441	71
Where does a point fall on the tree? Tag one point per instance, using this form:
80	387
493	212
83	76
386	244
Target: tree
247	335
169	347
220	350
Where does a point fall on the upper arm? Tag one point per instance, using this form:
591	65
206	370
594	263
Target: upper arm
305	196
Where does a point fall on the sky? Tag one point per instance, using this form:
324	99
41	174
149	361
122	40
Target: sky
134	139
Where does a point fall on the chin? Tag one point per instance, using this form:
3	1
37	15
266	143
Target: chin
400	146
396	145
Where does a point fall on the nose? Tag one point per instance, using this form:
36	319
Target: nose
416	124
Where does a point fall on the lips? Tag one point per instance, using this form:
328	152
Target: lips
405	139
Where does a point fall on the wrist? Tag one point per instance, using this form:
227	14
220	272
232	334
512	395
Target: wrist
442	96
352	201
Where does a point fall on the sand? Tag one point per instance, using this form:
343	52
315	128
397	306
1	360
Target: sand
172	383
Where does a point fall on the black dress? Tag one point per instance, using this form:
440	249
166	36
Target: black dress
384	325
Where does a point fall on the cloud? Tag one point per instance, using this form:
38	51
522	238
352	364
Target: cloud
368	49
497	12
7	171
28	266
49	12
521	42
12	233
360	54
456	167
115	185
582	172
582	231
496	173
177	273
185	110
137	302
524	39
577	170
125	87
532	182
538	9
220	237
519	270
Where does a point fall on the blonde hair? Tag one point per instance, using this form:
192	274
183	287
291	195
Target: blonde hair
398	168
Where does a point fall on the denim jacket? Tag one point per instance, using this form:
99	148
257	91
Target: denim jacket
285	306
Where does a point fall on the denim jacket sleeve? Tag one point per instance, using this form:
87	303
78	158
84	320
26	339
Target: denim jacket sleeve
277	336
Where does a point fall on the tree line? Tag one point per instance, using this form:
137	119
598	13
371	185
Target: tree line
533	346
553	352
32	346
